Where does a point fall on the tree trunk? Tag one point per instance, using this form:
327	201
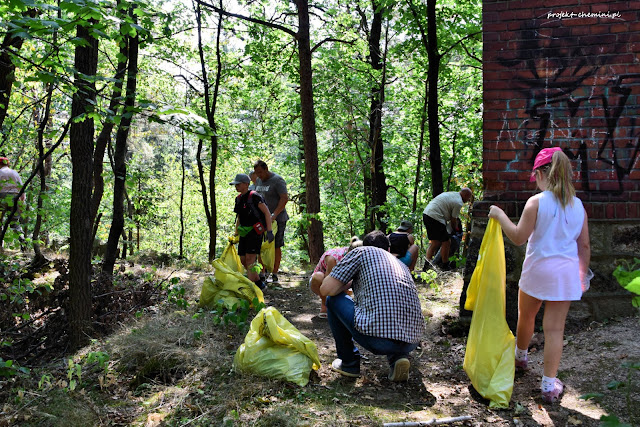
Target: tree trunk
210	109
81	145
182	199
104	138
303	230
453	160
7	68
423	121
38	257
434	57
377	182
120	166
316	238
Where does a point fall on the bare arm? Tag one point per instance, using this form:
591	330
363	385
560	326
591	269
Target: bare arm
332	286
267	215
284	198
584	248
331	262
518	234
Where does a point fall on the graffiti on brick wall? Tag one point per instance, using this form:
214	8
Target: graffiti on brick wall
574	99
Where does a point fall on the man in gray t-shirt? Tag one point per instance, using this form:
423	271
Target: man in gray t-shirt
443	210
274	190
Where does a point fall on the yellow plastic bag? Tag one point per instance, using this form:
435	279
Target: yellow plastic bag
268	251
230	256
489	359
229	283
274	348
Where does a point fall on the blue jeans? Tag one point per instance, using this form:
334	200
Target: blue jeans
341	313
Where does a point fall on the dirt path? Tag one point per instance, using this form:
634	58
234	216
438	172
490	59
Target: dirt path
438	386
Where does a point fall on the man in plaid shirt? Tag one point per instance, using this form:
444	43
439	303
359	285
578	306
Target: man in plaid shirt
384	315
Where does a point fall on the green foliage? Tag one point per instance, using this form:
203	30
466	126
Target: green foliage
257	113
612	420
74	374
176	293
9	368
237	315
628	276
99	357
428	277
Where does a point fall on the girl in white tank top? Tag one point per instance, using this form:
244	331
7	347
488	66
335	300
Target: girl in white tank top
556	263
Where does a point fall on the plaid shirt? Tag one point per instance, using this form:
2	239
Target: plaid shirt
384	294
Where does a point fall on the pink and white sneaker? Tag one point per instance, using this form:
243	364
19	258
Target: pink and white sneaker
522	365
554	395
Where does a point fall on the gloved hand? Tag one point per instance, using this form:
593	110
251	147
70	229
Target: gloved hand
270	236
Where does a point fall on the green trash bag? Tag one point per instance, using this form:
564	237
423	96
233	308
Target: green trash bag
274	348
268	251
229	283
489	358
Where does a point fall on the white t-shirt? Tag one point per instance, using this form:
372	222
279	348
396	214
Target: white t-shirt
550	271
10	181
444	207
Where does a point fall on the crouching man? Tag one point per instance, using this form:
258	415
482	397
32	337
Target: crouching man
384	315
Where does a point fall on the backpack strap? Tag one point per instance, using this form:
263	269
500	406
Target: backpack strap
256	212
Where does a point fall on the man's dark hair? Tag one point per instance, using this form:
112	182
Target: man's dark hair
376	238
261	164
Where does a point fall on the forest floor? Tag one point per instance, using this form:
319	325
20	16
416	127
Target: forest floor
172	365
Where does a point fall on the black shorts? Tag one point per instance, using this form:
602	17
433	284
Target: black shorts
280	234
435	229
250	244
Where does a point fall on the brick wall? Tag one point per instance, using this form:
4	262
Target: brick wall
553	76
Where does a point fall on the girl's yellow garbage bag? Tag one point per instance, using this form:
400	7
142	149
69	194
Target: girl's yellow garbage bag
490	355
274	348
229	284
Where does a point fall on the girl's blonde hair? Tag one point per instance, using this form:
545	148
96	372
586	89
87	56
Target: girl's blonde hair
355	242
560	178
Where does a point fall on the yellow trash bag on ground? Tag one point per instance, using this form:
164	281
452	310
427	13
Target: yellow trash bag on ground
229	283
274	348
268	251
490	359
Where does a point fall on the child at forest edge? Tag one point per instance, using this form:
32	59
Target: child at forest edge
327	261
253	218
556	262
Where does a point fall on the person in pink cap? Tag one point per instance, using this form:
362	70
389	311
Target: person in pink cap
556	262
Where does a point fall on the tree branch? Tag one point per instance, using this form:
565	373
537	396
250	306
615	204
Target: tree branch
399	193
471	55
329	39
24	186
468	36
248	18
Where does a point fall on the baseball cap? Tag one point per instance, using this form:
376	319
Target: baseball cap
544	157
405	226
241	177
4	161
